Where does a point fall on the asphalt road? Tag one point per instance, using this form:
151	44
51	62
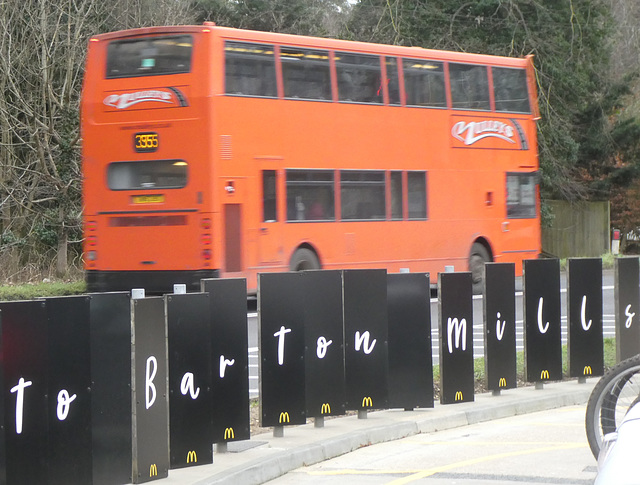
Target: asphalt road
539	448
478	340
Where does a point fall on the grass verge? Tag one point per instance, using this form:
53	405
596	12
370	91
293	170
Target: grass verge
32	291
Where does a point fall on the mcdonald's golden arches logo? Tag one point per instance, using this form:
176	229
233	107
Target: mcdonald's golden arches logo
229	434
192	457
367	402
459	396
326	408
502	382
544	374
153	470
284	417
587	370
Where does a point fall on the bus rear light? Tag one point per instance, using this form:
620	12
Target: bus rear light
206	224
91	225
92	240
92	255
206	239
206	254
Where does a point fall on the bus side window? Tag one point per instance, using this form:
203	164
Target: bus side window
310	195
521	195
469	86
396	196
393	82
250	69
424	83
417	194
269	212
306	73
359	78
510	90
362	195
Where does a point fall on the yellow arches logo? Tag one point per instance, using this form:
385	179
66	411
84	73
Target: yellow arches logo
153	470
229	434
459	396
544	374
502	382
326	408
587	370
367	402
192	457
284	417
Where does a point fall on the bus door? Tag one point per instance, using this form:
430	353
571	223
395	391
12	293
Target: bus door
269	237
234	198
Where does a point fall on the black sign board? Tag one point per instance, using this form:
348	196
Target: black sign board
151	430
584	315
324	356
24	385
281	348
69	390
366	338
190	381
499	304
110	329
410	355
455	305
542	336
627	305
229	353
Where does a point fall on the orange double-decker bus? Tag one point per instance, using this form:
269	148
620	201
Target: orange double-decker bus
211	151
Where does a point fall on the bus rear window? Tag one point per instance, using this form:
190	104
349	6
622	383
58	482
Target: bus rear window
510	90
149	56
521	195
153	174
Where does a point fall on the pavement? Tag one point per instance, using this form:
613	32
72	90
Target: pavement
265	457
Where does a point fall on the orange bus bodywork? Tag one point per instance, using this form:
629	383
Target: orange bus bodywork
214	225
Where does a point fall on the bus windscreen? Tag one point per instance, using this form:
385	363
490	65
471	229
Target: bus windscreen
149	56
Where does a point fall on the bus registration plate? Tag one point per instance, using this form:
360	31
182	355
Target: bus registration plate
147	199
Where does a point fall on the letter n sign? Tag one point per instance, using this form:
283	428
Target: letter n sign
627	305
584	315
542	337
456	337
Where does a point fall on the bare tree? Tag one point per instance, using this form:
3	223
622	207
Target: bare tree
42	53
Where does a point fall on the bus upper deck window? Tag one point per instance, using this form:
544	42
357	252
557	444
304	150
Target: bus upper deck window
510	90
149	56
250	69
305	73
424	83
359	78
469	86
152	174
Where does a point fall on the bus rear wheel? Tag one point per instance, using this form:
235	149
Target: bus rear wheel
479	255
304	259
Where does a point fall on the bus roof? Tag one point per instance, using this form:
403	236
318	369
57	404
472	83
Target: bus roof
318	42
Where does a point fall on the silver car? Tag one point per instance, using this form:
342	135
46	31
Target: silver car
619	460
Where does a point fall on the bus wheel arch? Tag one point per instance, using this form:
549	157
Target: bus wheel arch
479	254
305	257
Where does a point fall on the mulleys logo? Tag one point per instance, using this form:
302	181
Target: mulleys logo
122	101
469	133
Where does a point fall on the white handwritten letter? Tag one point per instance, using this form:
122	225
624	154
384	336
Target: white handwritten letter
150	388
19	389
543	328
629	315
460	328
322	345
187	386
583	313
363	341
64	403
280	334
500	327
223	365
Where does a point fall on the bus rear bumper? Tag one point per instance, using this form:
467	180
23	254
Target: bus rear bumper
153	282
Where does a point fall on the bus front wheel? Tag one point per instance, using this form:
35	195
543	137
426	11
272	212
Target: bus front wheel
304	259
479	255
